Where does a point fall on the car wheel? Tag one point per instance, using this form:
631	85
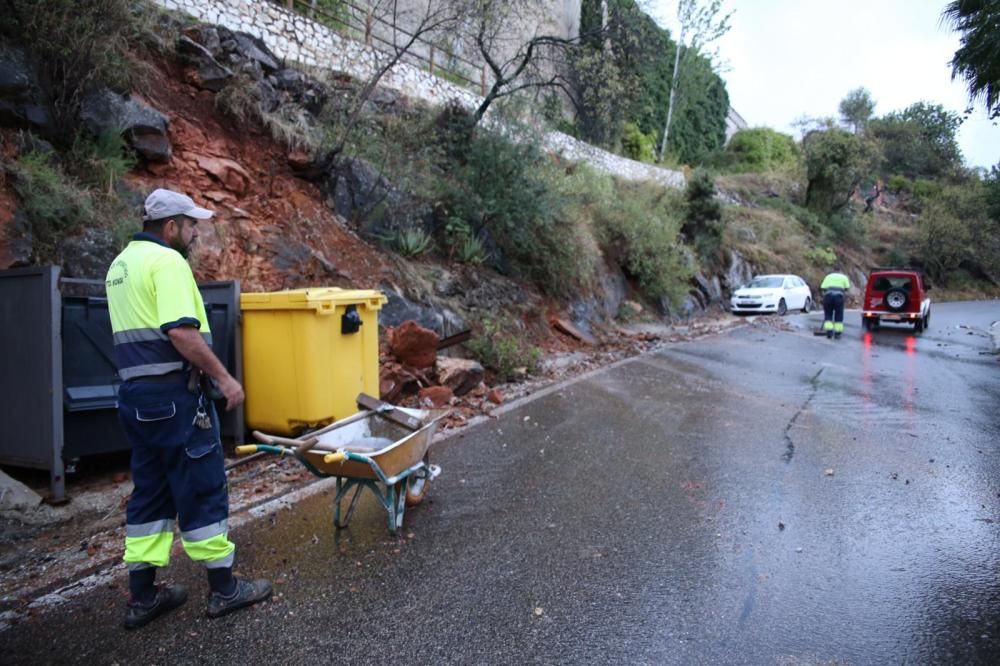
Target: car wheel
896	299
918	326
866	323
927	319
782	308
808	305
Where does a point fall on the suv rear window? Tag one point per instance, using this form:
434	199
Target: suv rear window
885	283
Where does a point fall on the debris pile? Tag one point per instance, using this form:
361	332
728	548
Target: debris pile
413	374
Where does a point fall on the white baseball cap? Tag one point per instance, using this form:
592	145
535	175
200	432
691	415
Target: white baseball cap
167	203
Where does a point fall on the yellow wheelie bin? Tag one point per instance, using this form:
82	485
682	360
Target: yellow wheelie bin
307	354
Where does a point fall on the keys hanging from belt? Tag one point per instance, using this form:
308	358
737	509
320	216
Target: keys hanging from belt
202	420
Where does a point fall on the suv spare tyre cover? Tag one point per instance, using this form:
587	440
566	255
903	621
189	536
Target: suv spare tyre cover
895	299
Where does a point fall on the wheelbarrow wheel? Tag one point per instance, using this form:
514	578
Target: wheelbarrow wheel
416	484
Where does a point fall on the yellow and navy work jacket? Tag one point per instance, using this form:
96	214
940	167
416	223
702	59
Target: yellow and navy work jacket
836	282
151	290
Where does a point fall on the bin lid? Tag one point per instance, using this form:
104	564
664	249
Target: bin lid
319	299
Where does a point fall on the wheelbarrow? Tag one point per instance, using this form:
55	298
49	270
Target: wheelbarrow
382	448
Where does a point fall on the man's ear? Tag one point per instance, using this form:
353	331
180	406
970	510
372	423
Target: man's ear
170	227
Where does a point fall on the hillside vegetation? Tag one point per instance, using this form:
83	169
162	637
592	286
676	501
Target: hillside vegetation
429	187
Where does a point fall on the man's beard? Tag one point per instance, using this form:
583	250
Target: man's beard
184	250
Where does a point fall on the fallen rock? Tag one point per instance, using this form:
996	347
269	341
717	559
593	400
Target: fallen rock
436	396
495	396
211	75
459	374
414	345
232	176
15	496
569	329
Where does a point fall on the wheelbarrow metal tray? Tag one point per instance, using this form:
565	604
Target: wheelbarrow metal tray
393	448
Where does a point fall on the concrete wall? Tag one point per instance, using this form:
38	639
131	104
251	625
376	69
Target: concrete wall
298	39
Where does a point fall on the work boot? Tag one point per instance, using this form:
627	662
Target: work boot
168	597
829	335
837	335
247	593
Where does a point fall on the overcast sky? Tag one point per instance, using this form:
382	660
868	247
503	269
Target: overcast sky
794	58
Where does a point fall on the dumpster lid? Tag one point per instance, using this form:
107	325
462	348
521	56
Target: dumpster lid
87	398
318	298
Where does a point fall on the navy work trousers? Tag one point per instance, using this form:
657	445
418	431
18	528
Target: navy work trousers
833	310
178	468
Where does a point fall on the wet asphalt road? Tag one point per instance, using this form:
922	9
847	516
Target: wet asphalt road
760	497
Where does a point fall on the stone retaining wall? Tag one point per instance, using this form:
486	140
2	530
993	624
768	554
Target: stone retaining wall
298	39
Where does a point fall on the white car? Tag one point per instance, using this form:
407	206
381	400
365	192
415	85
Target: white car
773	293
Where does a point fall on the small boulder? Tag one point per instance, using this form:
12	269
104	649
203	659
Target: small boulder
254	49
210	75
414	345
15	496
232	176
459	374
436	396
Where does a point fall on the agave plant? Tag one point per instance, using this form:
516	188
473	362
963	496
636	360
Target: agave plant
412	242
471	251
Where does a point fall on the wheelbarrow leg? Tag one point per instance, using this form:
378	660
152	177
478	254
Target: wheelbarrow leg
395	505
343	487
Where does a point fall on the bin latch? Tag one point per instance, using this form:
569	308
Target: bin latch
350	322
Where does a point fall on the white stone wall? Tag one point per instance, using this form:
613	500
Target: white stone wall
298	39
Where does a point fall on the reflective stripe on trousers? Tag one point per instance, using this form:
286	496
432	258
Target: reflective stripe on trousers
178	471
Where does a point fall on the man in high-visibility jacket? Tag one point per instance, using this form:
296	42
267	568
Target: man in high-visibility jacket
161	336
834	288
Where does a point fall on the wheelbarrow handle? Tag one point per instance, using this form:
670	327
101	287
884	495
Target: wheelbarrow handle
246	449
339	456
300	445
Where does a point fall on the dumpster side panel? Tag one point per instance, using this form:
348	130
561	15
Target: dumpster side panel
30	366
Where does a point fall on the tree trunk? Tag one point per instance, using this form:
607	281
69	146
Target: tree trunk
673	92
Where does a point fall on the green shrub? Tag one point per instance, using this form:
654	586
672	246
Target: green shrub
101	161
896	257
899	184
509	192
334	14
703	221
821	256
638	226
53	204
762	149
638	145
927	189
499	348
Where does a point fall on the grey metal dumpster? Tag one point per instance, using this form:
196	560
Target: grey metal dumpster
58	379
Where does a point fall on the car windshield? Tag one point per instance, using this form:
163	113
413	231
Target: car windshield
765	283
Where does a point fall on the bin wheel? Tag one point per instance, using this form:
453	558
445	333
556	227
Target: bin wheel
416	486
